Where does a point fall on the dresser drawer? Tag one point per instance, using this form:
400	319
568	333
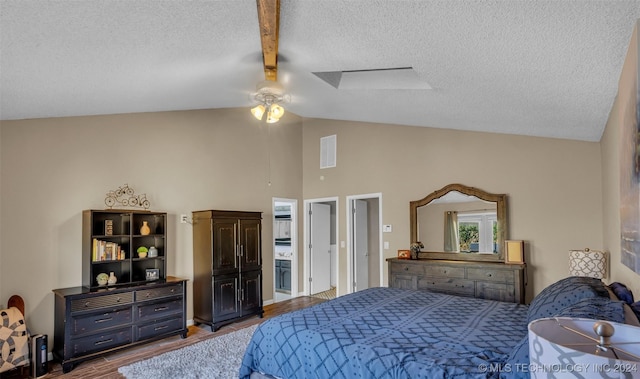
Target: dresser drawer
496	291
155	293
161	327
492	275
99	342
104	301
408	268
158	310
452	286
445	271
101	320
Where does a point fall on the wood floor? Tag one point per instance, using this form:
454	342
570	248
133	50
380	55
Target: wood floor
106	367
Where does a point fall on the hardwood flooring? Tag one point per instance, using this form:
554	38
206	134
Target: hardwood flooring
106	367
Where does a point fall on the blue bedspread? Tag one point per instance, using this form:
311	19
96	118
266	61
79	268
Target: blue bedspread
388	333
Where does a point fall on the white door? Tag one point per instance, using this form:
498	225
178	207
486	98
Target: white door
320	249
360	245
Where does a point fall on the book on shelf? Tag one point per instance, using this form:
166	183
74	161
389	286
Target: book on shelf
106	251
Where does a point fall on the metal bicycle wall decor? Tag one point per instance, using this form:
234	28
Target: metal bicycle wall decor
125	196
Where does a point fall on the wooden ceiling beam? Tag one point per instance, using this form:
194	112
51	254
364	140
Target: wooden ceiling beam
269	20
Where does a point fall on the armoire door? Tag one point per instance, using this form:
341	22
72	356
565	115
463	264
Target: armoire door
251	291
225	243
250	242
226	297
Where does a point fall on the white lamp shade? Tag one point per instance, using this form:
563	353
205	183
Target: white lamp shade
591	263
563	347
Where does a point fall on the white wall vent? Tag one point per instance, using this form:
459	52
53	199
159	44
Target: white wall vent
328	151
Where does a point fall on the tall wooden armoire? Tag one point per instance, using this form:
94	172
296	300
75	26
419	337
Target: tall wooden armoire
227	266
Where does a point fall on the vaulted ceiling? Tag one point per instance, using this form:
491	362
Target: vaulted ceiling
539	68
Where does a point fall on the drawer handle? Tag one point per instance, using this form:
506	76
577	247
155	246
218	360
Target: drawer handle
86	305
161	327
406	268
444	271
173	290
103	342
118	300
148	294
160	309
103	320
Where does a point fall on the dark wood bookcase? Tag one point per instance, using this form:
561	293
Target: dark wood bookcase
93	319
129	267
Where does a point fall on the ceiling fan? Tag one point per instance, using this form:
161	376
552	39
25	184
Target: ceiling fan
270	94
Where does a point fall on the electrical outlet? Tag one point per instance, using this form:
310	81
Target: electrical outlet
183	219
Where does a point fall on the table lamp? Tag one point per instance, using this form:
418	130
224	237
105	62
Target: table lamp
564	347
591	263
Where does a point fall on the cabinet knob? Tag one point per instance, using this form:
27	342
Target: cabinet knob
489	275
444	271
406	268
118	300
86	305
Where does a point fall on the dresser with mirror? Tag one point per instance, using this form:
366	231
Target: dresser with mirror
463	230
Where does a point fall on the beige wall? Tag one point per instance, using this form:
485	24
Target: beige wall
551	204
52	169
622	116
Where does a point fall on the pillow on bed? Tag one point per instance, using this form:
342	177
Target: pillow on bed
597	308
622	292
564	293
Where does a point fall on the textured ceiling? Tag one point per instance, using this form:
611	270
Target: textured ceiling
540	68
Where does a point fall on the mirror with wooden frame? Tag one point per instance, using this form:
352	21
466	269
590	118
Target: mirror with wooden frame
460	223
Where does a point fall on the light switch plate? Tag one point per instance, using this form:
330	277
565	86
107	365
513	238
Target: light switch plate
387	228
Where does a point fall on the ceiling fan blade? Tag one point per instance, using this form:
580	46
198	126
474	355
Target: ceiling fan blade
269	20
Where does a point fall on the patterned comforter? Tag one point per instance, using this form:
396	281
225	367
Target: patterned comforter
388	333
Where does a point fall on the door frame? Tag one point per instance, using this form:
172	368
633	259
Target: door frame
307	239
350	231
294	244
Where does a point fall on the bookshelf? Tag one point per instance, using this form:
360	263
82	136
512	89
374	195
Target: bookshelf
110	243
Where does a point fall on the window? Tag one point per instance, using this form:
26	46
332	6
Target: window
478	232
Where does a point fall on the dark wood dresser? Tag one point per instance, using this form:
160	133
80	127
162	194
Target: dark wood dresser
92	322
485	280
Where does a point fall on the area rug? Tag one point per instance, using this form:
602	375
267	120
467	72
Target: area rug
218	357
327	295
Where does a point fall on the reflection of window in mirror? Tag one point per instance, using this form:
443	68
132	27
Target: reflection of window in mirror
478	232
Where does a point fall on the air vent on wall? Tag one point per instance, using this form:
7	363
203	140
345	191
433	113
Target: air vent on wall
328	151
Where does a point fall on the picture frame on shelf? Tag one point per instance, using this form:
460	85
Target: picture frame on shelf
404	254
152	274
108	227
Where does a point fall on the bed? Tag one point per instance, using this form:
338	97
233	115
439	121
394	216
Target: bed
398	333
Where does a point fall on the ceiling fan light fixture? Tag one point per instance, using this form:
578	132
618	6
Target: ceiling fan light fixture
258	111
275	112
269	94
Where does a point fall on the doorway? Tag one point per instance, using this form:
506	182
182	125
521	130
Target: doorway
321	253
285	249
364	224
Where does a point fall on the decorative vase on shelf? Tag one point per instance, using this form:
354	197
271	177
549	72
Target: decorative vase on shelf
153	252
144	229
112	278
102	279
